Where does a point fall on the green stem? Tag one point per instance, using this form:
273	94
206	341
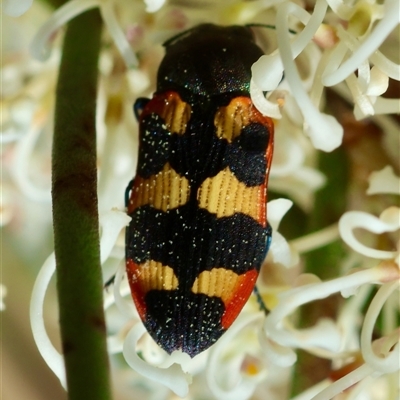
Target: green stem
75	214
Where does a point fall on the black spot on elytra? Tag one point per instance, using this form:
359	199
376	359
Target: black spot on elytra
199	153
246	155
184	321
154	145
192	240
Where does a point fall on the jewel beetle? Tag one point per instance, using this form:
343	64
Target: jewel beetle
199	230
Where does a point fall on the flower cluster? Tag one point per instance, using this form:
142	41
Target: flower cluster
341	45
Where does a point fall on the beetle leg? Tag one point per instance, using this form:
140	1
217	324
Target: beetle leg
109	282
260	301
127	192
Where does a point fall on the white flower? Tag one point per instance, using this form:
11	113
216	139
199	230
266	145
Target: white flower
15	8
40	44
339	341
292	171
357	42
384	181
389	221
112	223
171	376
3	294
324	131
279	250
154	5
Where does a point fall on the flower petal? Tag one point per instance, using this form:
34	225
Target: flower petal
369	46
324	130
382	363
173	377
262	104
3	294
153	5
280	250
16	8
389	221
47	350
384	181
379	82
111	222
218	367
40	48
276	210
